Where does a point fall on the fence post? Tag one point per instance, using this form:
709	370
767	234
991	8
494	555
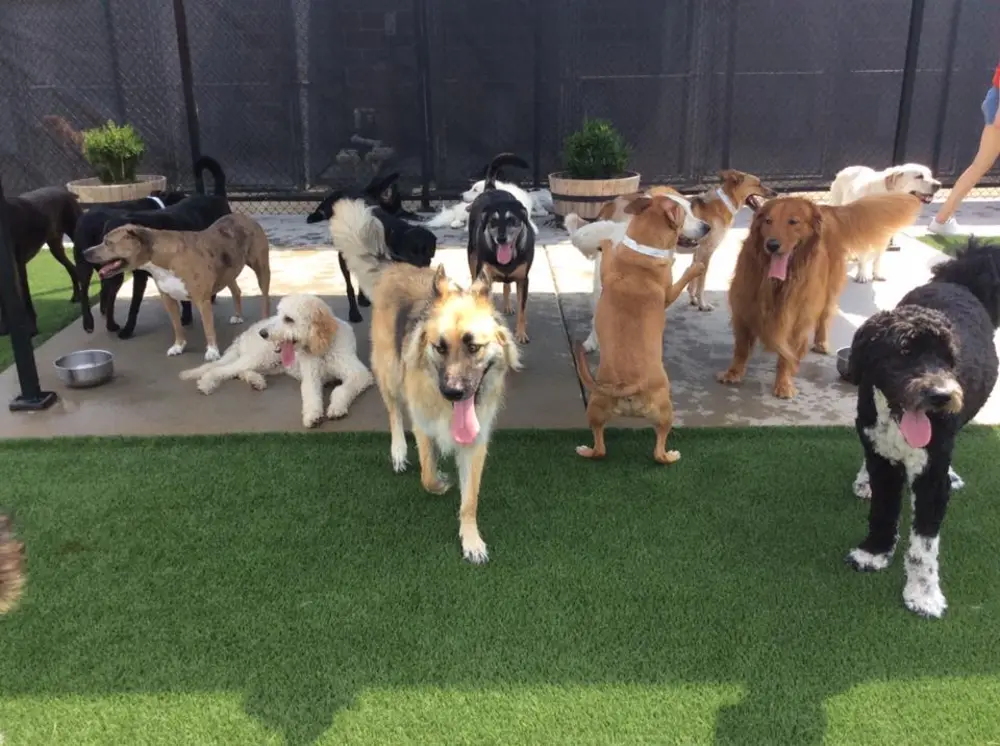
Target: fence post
949	63
424	85
730	85
32	398
909	81
187	84
539	41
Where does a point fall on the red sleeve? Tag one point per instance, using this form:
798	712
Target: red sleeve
996	77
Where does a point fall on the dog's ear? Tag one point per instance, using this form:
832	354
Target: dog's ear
672	209
140	235
731	176
639	205
482	285
440	284
865	339
892	180
816	219
322	330
511	354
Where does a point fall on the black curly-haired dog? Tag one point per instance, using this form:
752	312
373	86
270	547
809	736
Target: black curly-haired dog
924	370
412	244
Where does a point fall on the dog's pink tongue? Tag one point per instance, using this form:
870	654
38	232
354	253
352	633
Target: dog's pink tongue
287	354
464	423
505	252
779	266
916	428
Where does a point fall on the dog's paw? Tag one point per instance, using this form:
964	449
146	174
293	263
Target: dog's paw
212	354
588	452
254	380
438	486
522	338
126	332
924	598
508	309
862	487
730	377
398	454
862	278
112	327
697	269
821	348
176	349
879	277
354	316
864	561
311	419
957	482
474	549
234	319
590	344
338	406
785	390
457	224
667	457
206	385
705	306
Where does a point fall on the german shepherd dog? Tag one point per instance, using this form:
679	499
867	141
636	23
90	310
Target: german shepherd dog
11	571
502	240
412	244
440	351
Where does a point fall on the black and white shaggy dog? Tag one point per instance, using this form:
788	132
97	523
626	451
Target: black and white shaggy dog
502	240
412	244
924	369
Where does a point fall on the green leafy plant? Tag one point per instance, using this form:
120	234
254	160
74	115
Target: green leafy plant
114	152
596	151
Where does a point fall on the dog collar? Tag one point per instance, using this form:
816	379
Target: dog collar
733	209
648	250
158	201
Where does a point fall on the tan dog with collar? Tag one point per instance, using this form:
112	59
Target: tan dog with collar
638	287
191	265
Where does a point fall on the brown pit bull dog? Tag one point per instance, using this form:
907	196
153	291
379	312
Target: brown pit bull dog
191	265
637	288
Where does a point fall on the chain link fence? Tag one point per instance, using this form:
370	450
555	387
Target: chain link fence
295	97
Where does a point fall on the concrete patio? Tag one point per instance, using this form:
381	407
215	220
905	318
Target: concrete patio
146	397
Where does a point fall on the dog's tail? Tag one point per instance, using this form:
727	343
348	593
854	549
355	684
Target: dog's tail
378	185
360	238
583	370
446	216
11	566
870	221
504	159
207	163
324	209
587	237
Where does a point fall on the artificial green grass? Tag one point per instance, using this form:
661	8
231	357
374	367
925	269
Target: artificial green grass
292	589
947	244
50	293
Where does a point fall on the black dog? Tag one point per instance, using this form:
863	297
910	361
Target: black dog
502	239
924	369
42	216
162	211
412	244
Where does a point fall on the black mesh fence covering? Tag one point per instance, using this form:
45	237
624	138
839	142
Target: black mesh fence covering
297	96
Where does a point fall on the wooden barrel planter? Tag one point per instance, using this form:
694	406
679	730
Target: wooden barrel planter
586	196
93	190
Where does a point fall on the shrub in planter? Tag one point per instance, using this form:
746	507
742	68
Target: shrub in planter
596	162
114	152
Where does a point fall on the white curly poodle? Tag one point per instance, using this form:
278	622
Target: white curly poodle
304	340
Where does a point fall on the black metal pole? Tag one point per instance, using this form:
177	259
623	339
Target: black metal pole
730	85
426	119
909	81
116	68
949	64
536	155
187	84
32	398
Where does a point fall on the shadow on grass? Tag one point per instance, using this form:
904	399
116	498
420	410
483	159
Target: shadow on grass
301	573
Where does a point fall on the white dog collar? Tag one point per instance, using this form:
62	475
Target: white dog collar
158	201
648	250
733	209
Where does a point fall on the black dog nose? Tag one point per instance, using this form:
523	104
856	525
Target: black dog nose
772	245
452	394
938	397
263	333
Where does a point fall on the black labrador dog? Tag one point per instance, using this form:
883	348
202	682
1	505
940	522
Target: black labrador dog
408	243
174	211
42	216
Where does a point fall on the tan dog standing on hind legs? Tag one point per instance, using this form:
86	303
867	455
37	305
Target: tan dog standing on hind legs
638	287
191	265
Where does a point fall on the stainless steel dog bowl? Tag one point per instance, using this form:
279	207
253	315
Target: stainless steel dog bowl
843	355
85	368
